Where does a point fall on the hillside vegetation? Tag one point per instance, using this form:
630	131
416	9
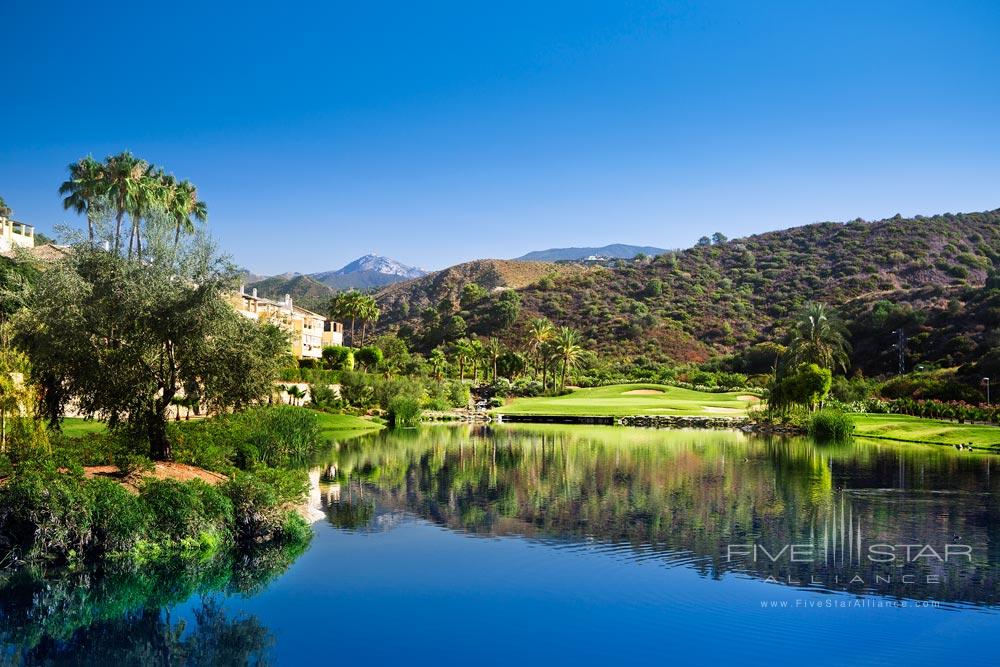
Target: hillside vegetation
925	274
305	291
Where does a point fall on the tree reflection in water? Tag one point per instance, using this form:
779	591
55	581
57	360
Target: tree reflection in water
687	497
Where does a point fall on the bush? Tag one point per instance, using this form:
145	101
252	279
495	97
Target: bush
186	513
118	520
404	411
338	358
458	394
259	502
274	436
827	425
323	396
44	515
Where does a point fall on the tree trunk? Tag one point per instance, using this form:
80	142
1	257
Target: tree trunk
461	369
352	332
118	232
159	445
562	382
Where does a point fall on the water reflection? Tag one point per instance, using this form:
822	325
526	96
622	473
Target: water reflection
902	521
122	615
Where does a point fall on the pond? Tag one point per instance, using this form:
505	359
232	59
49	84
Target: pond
586	545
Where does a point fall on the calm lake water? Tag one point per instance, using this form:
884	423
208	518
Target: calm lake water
587	545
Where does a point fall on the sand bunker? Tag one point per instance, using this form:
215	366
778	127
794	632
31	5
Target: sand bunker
722	411
747	397
641	392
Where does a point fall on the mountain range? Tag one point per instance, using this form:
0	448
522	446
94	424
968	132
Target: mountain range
613	251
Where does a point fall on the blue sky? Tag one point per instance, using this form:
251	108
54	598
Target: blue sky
445	131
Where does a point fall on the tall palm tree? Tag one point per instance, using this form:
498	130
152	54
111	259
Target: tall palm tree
493	352
539	331
183	206
122	172
438	361
476	352
349	305
568	347
86	184
463	353
150	191
819	337
368	312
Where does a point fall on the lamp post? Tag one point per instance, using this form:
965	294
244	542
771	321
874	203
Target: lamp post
986	381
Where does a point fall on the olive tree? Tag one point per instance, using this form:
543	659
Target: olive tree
123	338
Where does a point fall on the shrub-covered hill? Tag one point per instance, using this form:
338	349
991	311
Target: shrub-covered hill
305	291
715	299
402	303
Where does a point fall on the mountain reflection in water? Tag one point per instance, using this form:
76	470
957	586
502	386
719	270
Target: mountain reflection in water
864	517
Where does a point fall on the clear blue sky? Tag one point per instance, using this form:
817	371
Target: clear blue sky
444	131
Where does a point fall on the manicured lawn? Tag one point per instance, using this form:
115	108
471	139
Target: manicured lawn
331	423
916	429
634	399
75	427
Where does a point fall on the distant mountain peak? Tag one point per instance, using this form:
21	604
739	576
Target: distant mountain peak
378	264
367	272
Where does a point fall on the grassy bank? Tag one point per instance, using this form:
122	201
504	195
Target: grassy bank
916	429
634	399
338	424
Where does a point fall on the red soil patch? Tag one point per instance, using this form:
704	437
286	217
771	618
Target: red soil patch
180	472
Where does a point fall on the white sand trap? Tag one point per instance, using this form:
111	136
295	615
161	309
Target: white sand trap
747	397
641	392
722	411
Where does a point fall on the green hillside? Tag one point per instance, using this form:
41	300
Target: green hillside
305	291
923	273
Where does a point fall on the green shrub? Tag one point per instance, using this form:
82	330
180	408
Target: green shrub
338	358
117	517
274	436
180	512
260	502
323	396
404	411
44	515
830	425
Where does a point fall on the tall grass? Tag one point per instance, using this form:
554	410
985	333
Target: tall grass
830	425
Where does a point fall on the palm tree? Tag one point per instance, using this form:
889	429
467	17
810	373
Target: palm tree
183	206
295	393
124	173
819	337
568	347
83	190
5	210
368	311
438	361
493	351
150	191
348	305
540	330
463	353
476	352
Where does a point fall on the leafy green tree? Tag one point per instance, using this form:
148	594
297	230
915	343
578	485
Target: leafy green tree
5	210
338	358
124	338
369	357
471	295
